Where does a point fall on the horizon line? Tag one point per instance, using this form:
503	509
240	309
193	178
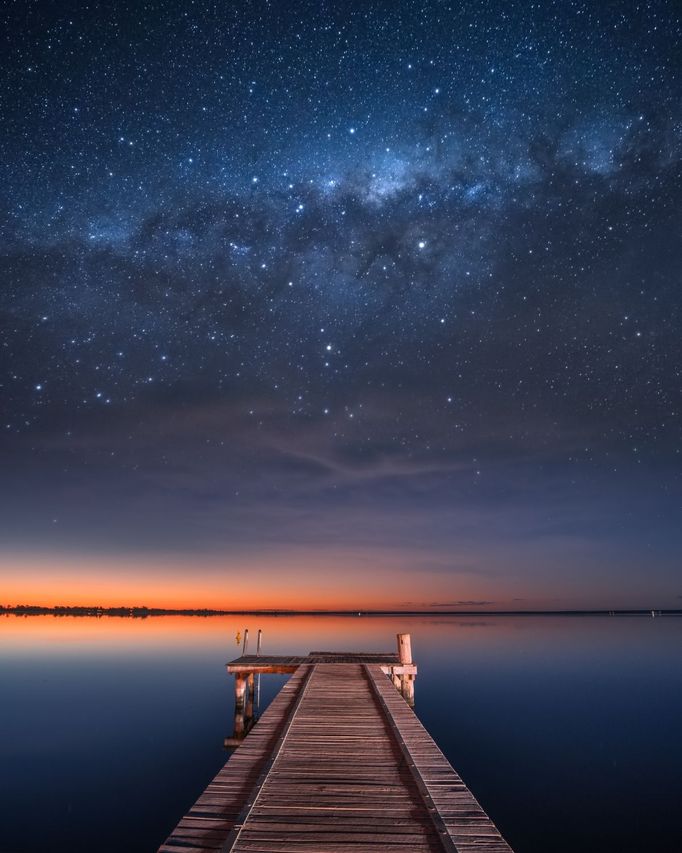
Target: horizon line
143	610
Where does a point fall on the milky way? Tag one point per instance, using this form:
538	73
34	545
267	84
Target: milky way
309	270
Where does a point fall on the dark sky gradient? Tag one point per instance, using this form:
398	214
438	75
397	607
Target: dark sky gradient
347	297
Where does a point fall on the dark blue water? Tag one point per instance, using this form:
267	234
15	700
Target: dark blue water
568	730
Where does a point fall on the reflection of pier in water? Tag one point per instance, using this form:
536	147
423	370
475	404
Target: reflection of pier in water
337	763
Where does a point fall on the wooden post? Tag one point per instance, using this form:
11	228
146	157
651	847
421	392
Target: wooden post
407	689
404	648
405	682
246	641
260	637
239	690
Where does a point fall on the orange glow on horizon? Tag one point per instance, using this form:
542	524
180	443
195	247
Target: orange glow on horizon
297	582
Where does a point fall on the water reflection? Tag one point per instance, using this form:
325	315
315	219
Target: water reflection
564	728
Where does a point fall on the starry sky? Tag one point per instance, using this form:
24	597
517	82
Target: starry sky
341	304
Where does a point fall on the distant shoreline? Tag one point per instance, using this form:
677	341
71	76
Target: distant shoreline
146	612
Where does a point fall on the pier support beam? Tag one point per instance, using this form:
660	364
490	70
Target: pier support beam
244	717
407	689
239	690
403	679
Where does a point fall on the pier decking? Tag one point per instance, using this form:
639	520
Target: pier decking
338	763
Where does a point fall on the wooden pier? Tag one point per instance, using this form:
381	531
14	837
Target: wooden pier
338	763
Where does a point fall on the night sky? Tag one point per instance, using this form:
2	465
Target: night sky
341	304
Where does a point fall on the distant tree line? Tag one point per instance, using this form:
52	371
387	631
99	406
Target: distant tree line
128	612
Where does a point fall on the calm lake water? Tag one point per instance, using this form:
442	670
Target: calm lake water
567	729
